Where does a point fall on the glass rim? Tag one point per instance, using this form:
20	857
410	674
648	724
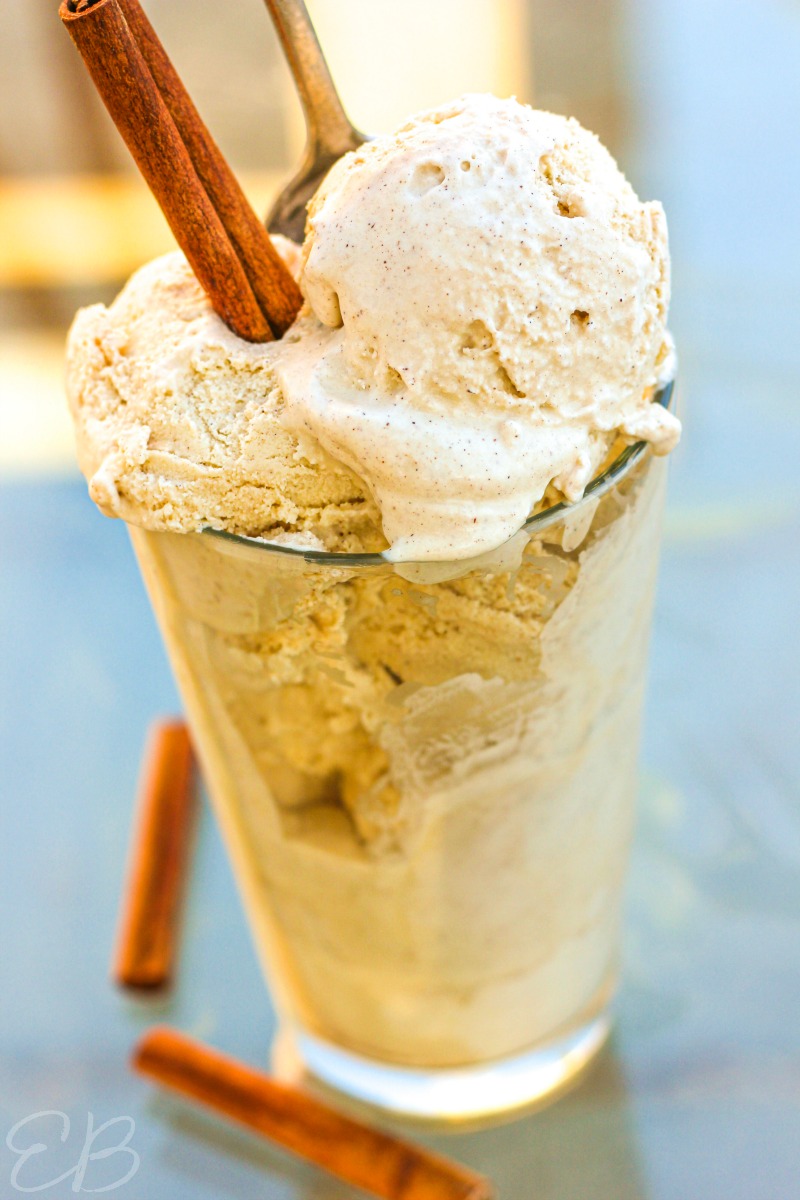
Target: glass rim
599	486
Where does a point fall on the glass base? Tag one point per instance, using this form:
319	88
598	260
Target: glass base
443	1094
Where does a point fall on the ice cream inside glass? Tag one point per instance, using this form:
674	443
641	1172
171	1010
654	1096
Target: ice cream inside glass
403	562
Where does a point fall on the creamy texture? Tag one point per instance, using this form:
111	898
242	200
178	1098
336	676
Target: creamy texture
178	424
427	789
486	319
493	300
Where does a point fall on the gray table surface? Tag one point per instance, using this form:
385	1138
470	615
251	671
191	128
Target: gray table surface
699	1093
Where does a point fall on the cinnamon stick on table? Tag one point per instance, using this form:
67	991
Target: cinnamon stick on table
357	1153
129	91
147	937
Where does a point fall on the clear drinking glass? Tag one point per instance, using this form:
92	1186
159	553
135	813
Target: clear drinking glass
425	775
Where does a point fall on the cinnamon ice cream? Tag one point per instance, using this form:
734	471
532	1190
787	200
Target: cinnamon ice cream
487	303
495	297
423	760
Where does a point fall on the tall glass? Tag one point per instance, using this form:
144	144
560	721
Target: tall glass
425	776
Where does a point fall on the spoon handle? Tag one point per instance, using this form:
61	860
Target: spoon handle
330	131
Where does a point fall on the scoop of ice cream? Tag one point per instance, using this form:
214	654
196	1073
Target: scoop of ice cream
492	299
177	423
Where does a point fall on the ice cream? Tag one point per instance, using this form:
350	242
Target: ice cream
425	773
177	423
488	304
427	788
499	297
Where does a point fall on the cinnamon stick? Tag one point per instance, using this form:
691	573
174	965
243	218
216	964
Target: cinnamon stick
123	79
147	937
273	285
359	1154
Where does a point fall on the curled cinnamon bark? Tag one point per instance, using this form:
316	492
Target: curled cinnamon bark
228	249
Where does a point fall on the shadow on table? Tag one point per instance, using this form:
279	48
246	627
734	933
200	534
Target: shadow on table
584	1145
206	1156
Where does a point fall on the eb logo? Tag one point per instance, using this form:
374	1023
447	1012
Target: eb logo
35	1158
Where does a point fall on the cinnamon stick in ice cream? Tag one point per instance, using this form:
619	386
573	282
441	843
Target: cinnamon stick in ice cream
188	178
274	287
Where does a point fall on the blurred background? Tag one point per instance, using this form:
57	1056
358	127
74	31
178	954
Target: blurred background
700	101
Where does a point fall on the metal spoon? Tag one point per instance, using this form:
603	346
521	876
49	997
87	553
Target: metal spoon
329	132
